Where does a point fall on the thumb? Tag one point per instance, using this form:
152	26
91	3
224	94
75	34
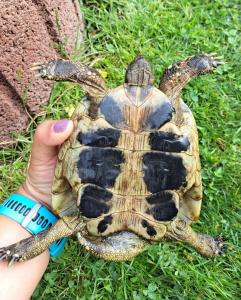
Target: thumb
48	136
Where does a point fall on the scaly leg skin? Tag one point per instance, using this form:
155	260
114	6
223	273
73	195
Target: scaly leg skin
35	245
63	70
179	74
203	243
119	246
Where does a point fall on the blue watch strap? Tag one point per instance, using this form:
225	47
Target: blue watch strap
33	216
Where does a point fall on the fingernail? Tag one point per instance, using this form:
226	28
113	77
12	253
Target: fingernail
60	126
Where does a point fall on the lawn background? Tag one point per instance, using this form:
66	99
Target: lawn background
164	32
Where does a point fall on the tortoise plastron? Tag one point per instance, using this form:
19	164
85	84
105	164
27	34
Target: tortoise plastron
129	175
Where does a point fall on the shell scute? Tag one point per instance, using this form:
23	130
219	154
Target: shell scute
130	163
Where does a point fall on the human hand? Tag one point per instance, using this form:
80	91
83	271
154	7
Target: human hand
37	186
38	182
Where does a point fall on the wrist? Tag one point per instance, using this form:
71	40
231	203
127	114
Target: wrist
11	232
19	281
28	190
32	216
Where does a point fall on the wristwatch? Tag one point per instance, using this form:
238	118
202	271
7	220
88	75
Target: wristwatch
34	217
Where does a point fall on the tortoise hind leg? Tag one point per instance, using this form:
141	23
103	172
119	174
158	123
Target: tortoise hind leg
179	74
35	245
205	244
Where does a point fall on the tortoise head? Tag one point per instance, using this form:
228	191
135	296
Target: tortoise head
139	72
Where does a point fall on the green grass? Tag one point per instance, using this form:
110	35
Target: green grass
164	32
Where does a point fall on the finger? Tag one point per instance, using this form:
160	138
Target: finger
49	135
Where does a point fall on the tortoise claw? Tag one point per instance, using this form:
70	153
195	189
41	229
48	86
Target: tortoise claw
216	60
7	254
38	63
37	66
40	68
221	248
204	63
3	256
37	75
224	249
14	258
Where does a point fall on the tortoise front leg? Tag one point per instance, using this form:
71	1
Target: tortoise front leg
179	74
205	244
64	70
35	245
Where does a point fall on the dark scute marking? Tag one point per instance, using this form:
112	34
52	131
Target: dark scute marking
168	141
107	137
161	197
111	111
102	226
163	172
161	115
163	212
94	201
149	228
99	166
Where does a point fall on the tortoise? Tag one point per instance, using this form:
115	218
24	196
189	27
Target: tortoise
129	174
